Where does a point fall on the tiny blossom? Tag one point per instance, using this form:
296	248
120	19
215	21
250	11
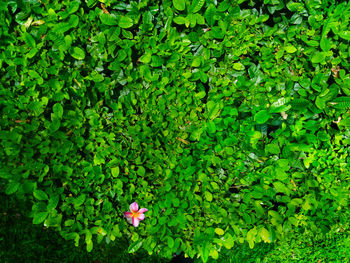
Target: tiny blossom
135	215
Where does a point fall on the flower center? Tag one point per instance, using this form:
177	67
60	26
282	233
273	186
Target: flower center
135	214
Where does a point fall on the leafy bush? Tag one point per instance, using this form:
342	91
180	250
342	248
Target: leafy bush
21	241
227	120
299	247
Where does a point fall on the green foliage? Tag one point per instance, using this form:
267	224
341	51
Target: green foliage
300	247
228	115
21	241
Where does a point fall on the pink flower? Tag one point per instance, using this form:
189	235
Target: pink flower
135	216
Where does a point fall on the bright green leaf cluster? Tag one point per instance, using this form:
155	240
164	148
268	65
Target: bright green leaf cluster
228	120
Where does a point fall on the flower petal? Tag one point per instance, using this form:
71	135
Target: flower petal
129	219
135	222
141	216
128	214
134	207
143	210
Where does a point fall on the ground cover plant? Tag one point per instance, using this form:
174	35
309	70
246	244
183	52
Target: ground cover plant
227	120
21	241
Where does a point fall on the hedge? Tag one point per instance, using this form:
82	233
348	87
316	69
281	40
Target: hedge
228	120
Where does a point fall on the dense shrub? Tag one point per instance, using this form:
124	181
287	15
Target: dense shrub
21	241
227	120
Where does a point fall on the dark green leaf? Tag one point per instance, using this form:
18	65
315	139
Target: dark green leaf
12	187
39	217
40	195
29	40
79	200
340	103
58	110
53	202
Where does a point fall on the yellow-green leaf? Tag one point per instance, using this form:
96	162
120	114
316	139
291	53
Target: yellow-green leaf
208	196
179	4
265	235
219	231
115	171
290	49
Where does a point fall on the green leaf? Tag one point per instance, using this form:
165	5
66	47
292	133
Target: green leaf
325	44
200	19
58	110
157	61
69	222
265	235
262	116
5	174
211	127
318	57
53	202
115	171
146	58
344	35
89	245
40	195
340	103
55	125
213	109
208	196
197	5
39	217
109	20
280	105
214	254
219	231
200	95
73	7
180	20
238	66
179	4
141	171
205	250
78	53
300	103
272	148
176	202
79	200
251	235
12	188
29	40
125	22
171	242
135	246
36	107
290	49
196	62
320	103
209	15
280	187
